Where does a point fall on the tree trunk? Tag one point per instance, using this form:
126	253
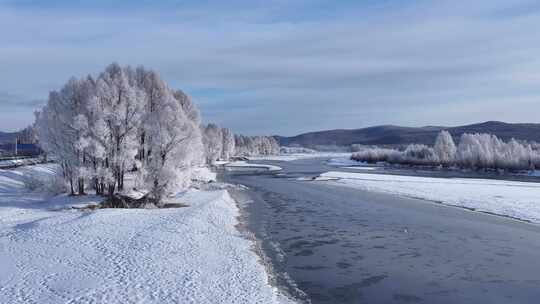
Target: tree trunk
156	191
81	186
96	185
120	180
71	186
142	152
102	186
111	189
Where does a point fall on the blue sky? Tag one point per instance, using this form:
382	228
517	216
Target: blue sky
285	67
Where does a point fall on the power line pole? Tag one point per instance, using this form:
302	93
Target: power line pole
16	145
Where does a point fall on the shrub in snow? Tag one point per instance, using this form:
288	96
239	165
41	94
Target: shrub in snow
413	155
418	155
375	154
293	150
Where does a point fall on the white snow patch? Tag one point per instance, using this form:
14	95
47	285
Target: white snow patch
508	198
297	156
221	162
361	168
184	255
203	174
245	166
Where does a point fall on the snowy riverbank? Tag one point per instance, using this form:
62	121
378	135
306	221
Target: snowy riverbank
50	253
507	198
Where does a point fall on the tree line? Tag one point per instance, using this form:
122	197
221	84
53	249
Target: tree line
222	144
475	151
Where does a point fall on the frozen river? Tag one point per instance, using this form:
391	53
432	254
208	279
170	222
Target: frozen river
343	245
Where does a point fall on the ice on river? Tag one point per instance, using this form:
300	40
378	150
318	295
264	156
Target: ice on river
245	166
508	198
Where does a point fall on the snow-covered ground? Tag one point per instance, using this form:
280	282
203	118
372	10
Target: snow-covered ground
50	253
296	156
509	198
245	166
203	174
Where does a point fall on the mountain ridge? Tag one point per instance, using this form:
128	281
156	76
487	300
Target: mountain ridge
400	135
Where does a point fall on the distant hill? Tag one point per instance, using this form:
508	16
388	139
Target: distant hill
396	135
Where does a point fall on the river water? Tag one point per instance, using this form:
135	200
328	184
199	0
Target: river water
331	244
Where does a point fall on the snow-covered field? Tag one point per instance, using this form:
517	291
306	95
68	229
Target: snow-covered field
509	198
50	253
297	156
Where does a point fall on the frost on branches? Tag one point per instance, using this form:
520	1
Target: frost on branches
222	144
256	145
124	120
475	151
213	142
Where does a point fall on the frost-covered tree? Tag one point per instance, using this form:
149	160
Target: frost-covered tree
62	130
476	151
228	143
416	154
26	135
256	145
488	151
170	139
188	106
120	105
241	145
213	142
445	149
98	129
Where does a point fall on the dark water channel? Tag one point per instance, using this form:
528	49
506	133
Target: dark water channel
341	245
